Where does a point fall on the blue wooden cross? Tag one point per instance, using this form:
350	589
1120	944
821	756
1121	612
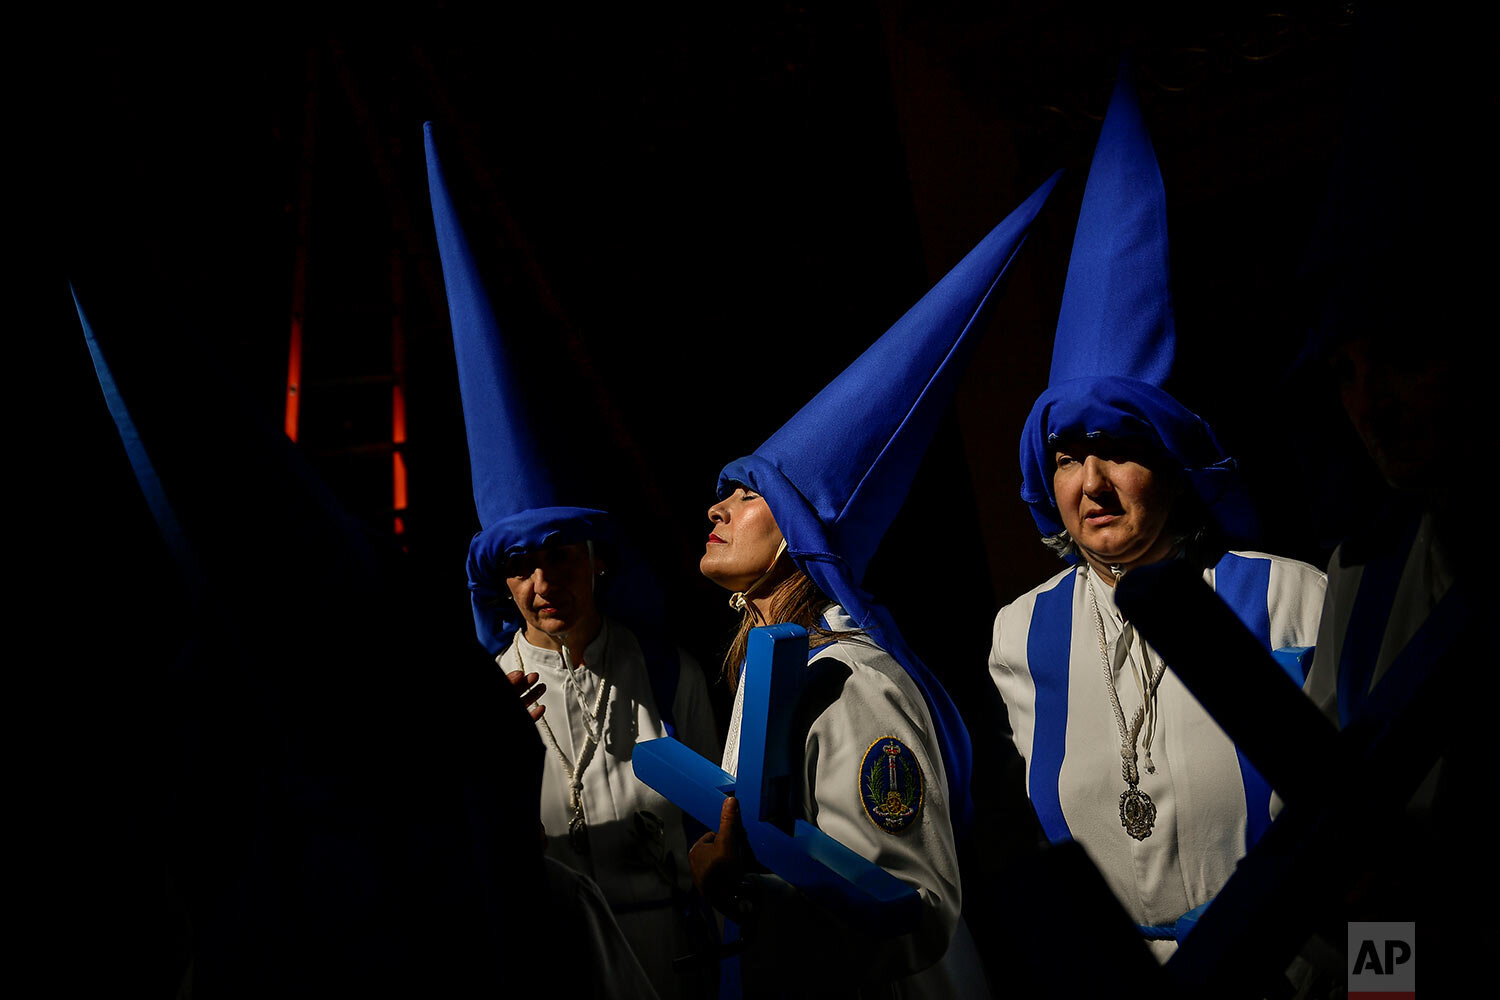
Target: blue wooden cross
859	891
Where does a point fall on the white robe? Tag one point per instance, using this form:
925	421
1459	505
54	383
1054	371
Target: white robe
1426	573
636	869
1198	786
878	699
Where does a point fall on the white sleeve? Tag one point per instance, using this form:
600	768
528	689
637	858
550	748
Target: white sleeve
1010	669
1338	602
876	704
1295	602
793	935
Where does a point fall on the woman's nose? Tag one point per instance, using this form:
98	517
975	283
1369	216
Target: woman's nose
717	514
1094	478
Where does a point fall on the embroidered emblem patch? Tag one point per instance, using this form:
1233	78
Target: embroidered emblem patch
890	785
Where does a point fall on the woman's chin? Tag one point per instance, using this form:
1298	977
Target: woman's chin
716	574
1128	557
708	569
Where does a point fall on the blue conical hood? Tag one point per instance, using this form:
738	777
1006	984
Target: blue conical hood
505	464
836	474
1116	340
1116	315
141	463
514	488
515	491
246	520
852	451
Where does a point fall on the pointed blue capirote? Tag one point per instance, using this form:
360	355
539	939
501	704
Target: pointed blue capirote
836	474
1116	340
141	464
853	450
245	519
515	491
503	457
1116	315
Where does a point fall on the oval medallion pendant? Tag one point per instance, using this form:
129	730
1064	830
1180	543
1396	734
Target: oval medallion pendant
578	835
1137	813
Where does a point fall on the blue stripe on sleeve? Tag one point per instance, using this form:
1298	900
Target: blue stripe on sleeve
1049	644
1244	584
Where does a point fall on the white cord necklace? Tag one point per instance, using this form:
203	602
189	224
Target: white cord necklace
1137	811
578	831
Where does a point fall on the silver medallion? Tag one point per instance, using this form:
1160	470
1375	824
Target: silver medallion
1137	813
578	835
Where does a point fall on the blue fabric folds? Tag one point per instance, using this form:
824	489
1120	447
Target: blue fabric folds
1131	410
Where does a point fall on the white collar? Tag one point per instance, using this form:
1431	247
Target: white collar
838	619
1104	594
593	653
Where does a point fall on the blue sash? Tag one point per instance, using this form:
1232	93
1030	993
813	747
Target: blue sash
1048	649
1244	584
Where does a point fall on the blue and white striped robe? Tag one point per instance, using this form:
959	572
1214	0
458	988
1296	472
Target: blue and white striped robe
1211	804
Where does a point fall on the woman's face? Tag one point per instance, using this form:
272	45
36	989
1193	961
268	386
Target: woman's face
743	542
554	590
1113	506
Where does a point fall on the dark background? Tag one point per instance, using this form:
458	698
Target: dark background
691	222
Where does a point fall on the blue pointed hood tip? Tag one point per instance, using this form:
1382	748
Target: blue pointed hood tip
136	453
1127	409
514	490
1116	337
1116	315
850	454
509	474
836	474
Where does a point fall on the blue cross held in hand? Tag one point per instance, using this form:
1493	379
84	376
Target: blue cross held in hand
857	890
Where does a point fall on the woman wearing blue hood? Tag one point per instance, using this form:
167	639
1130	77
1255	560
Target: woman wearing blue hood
792	534
558	598
1119	474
